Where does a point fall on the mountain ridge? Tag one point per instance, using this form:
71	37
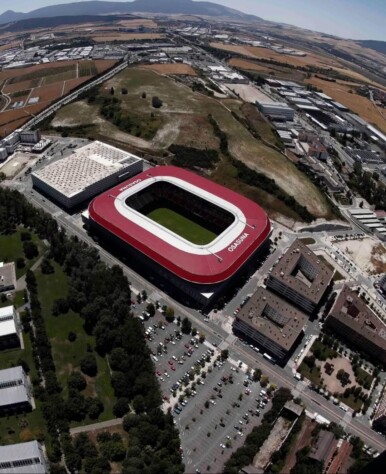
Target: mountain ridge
93	7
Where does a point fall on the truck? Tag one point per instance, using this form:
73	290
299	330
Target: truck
268	357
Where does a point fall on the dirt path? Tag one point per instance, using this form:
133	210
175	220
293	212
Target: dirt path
302	441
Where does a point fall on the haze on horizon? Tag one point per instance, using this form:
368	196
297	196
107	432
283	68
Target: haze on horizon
356	19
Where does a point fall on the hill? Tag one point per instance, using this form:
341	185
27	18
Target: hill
379	46
187	7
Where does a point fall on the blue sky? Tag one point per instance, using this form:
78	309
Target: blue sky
358	19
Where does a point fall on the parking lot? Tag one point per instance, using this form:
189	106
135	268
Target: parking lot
214	403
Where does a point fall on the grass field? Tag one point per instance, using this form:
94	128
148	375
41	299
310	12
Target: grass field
67	355
182	226
183	120
11	248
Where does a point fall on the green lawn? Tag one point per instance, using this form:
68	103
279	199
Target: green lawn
326	352
182	226
308	240
67	355
362	377
11	248
351	401
313	375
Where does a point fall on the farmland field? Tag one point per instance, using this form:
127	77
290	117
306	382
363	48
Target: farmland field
48	82
340	91
311	59
125	37
183	69
182	226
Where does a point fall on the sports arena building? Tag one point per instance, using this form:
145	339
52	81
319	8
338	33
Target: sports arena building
191	236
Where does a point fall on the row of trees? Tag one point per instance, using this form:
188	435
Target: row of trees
253	442
193	158
101	295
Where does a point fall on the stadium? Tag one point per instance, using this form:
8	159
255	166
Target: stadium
190	236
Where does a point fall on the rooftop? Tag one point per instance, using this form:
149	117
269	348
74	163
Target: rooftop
88	165
208	264
303	271
351	310
13	455
325	446
7	275
273	317
7	321
12	386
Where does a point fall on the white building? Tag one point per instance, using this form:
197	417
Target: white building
9	332
89	171
23	458
15	391
277	110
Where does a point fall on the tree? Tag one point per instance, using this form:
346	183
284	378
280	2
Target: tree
143	95
310	361
169	314
256	375
139	404
25	235
46	267
20	263
113	450
186	326
144	295
60	306
121	407
88	365
112	91
156	102
150	308
124	91
224	354
30	249
76	381
95	408
71	336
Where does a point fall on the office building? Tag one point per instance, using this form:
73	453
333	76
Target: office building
271	323
353	320
301	277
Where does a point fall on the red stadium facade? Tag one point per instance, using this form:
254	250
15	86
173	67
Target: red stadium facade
199	272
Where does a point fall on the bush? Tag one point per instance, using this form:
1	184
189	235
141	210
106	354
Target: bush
46	267
76	381
88	365
71	336
95	408
30	249
20	263
121	407
156	102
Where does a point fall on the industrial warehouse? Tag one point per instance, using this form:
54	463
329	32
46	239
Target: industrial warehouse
89	171
189	235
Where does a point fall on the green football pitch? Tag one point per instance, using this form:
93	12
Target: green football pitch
182	226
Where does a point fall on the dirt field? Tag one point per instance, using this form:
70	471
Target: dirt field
125	37
16	164
172	69
137	23
243	64
248	93
302	440
368	254
339	91
47	88
310	60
